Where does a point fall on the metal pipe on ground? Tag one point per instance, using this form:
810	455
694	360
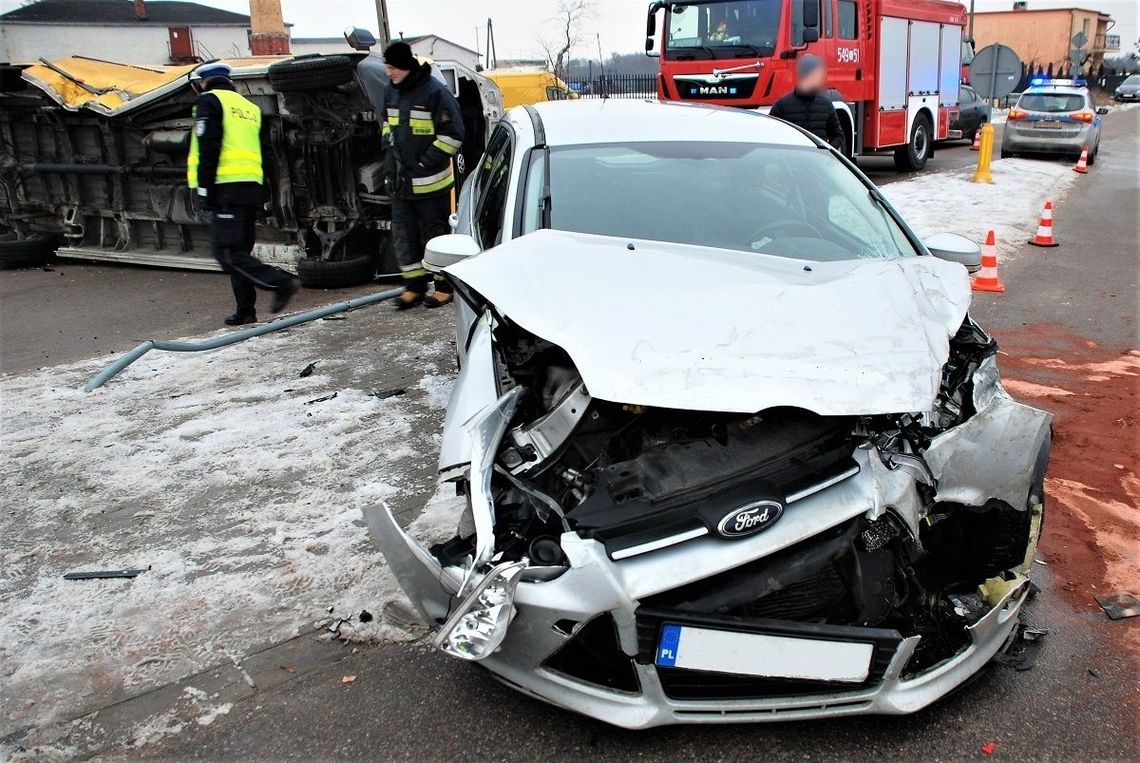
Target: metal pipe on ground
234	337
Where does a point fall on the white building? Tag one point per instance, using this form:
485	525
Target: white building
428	45
127	31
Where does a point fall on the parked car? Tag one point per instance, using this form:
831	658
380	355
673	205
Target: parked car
727	443
1128	90
973	112
94	161
1053	117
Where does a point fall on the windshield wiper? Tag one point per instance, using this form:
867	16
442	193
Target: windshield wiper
679	54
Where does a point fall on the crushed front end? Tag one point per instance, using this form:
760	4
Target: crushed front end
647	566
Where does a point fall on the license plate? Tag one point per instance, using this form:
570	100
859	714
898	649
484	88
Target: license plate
1049	124
763	655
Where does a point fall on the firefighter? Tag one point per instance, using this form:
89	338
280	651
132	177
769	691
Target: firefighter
423	130
225	168
808	105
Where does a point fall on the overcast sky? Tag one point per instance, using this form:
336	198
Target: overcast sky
620	23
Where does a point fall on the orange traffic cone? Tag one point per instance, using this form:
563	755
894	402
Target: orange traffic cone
987	278
1083	163
977	140
1044	235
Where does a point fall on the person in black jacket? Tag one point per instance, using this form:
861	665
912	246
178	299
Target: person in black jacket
424	131
809	106
224	167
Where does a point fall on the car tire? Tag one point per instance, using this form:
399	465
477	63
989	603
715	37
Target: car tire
1006	154
912	157
336	274
305	74
1092	155
31	252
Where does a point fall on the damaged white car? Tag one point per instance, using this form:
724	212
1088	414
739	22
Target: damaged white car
731	447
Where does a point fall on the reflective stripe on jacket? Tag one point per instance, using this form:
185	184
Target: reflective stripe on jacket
240	158
424	131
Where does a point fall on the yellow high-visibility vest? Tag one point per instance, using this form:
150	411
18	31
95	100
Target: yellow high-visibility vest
240	160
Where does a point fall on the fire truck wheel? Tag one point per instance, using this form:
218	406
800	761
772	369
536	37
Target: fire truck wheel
310	73
913	155
31	252
336	274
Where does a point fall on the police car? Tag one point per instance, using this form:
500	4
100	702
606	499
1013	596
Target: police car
1053	117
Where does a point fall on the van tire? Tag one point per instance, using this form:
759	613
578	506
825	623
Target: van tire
336	274
912	157
31	252
316	73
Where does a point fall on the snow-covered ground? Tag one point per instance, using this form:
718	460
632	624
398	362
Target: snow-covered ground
220	474
240	491
1011	206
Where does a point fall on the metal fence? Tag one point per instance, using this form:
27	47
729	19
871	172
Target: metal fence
616	86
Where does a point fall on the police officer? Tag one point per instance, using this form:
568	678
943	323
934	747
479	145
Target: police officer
225	168
424	132
809	105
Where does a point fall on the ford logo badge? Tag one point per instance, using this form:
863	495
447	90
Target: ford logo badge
750	519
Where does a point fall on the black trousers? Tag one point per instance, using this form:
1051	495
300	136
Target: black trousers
232	235
414	223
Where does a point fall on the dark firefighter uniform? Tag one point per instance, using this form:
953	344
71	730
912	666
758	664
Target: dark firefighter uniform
423	130
224	166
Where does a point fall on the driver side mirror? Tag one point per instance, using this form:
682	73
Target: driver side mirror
443	251
954	248
359	39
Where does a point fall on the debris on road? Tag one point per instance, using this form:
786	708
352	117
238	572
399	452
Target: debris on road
1119	606
288	668
989	747
320	399
348	679
105	574
384	394
365	616
1021	651
307	370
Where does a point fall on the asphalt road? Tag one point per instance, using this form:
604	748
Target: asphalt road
1080	701
406	702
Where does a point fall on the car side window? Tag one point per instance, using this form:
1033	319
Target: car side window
492	188
966	97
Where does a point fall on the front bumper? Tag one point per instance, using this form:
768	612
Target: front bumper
1025	139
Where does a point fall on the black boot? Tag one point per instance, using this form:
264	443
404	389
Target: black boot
240	319
282	296
409	299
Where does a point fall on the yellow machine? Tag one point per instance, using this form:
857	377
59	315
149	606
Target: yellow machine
525	87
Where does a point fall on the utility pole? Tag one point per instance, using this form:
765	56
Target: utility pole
383	32
492	54
970	33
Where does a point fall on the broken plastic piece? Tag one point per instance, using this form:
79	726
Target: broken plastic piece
320	399
365	616
307	371
105	574
989	747
384	394
1119	606
347	679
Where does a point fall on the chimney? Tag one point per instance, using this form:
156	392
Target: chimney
268	36
140	10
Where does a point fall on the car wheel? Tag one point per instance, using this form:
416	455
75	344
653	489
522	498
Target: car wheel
1006	154
316	73
1092	154
31	252
336	274
913	155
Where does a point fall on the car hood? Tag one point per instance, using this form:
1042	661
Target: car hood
695	328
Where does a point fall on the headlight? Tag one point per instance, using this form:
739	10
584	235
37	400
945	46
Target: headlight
480	624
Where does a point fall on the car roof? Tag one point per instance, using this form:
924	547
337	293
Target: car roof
1056	90
619	120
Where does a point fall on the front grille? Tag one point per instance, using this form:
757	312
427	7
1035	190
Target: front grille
681	684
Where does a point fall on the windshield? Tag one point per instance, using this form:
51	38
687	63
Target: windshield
1133	80
1051	102
722	29
798	202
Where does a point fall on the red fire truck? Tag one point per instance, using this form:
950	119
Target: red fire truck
894	65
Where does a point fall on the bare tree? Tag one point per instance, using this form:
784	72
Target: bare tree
558	47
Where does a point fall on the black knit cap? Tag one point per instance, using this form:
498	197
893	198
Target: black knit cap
399	55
